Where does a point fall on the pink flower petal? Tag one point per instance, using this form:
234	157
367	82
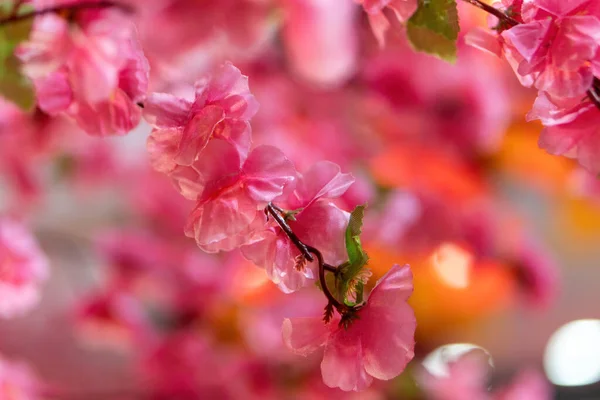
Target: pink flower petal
404	9
218	219
117	116
197	132
162	146
323	224
483	39
217	169
324	179
380	25
527	38
266	172
388	325
164	110
304	336
54	92
343	362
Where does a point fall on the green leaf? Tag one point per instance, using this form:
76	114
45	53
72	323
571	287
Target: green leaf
357	257
13	85
353	246
434	28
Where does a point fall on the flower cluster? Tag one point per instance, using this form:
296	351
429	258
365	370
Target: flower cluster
554	46
89	67
204	146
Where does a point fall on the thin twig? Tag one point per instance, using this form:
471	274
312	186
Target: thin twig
494	11
66	7
330	268
271	209
330	297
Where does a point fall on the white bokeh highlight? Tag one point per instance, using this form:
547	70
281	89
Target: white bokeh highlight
572	356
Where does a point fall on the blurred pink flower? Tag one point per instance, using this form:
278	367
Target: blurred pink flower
231	203
18	382
131	255
529	384
113	319
187	365
317	222
222	108
465	379
463	106
331	60
93	70
402	9
23	267
378	344
538	273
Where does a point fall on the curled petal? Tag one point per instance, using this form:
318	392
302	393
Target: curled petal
528	38
218	219
162	146
197	132
323	224
322	180
266	172
163	110
216	170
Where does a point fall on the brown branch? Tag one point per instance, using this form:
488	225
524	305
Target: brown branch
273	210
340	307
494	11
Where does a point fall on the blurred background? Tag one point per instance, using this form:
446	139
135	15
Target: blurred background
502	237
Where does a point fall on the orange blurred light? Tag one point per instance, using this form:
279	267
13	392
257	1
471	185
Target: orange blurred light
419	167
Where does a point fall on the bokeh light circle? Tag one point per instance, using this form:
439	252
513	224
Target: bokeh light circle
572	356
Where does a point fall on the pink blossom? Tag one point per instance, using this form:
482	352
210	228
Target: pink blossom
378	344
175	32
572	129
556	48
23	267
17	381
317	221
402	9
465	378
132	255
529	384
465	105
332	59
222	107
114	319
232	199
93	71
187	365
538	273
